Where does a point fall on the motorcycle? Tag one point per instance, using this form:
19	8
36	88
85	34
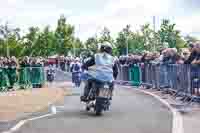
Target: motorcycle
99	97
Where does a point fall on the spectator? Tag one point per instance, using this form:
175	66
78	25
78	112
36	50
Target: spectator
185	53
169	56
4	82
62	63
196	60
76	72
68	64
115	70
25	62
193	54
179	59
12	71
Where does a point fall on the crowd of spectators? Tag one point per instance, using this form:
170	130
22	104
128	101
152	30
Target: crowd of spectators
11	67
13	70
168	67
189	55
27	70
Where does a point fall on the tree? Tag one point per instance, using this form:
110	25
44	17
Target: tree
7	33
136	43
29	42
120	43
105	35
78	46
148	36
64	36
170	35
45	43
180	43
15	46
92	44
122	39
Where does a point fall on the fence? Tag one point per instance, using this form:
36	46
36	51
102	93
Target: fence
177	79
25	77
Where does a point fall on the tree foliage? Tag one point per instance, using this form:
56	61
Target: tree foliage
105	36
92	44
170	35
46	42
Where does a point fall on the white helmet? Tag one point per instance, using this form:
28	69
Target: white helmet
107	44
77	59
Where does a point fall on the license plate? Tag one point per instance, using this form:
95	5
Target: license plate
106	86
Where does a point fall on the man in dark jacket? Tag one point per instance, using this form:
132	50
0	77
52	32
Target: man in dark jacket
193	54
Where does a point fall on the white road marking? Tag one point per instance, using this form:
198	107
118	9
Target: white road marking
18	125
22	122
177	126
53	109
40	117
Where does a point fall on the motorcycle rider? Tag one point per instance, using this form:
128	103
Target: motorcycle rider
76	72
50	73
101	67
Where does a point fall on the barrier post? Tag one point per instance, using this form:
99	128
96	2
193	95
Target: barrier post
12	76
4	81
134	74
37	77
24	78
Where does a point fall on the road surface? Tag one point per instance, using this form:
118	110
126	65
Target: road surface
131	112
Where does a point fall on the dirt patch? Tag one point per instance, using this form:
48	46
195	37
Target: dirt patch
12	104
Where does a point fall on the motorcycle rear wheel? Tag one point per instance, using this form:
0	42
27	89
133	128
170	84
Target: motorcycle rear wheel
98	112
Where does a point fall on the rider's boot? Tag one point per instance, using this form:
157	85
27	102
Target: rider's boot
84	96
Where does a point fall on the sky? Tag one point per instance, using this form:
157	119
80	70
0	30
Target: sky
90	16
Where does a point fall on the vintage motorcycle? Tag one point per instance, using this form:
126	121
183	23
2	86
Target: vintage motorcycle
99	96
50	75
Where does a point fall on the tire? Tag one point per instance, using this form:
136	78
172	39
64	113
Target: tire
100	105
98	112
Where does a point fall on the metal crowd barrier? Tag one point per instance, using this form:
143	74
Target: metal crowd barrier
4	79
23	78
31	77
178	79
123	76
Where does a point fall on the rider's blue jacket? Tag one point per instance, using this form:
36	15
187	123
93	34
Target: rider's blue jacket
101	67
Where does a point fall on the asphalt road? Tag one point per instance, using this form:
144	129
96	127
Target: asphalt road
61	76
131	112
